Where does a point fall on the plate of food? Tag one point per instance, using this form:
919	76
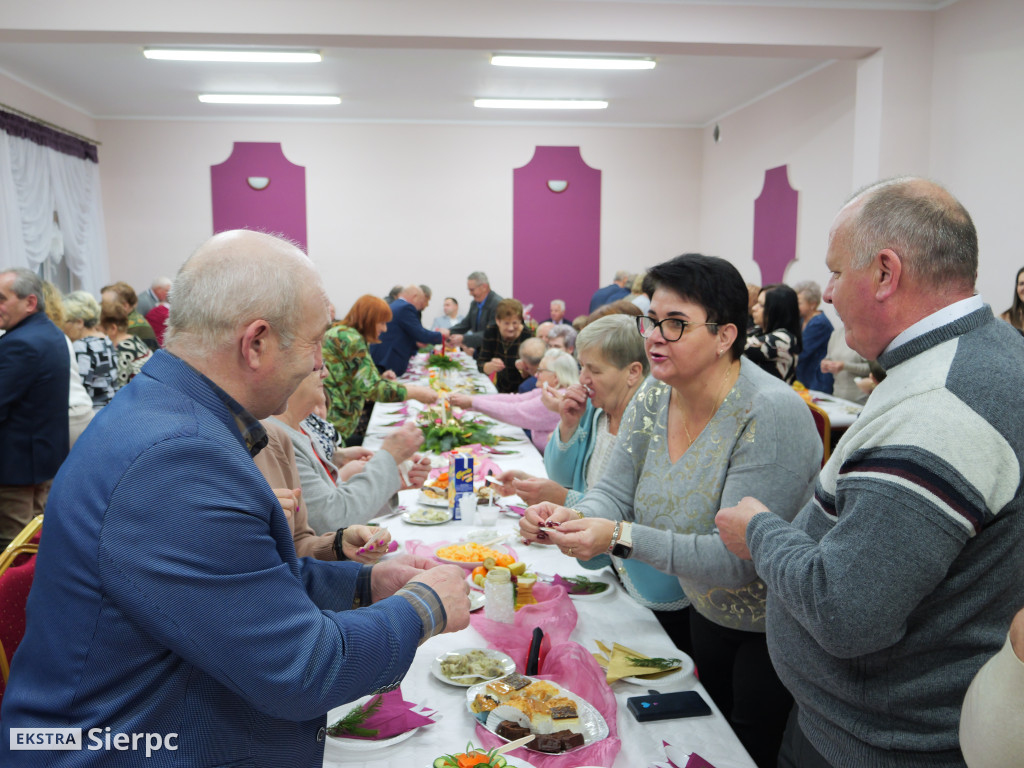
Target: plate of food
432	516
515	706
433	496
469	554
469	666
478	758
586	587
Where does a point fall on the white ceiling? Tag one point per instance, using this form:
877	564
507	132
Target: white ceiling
402	79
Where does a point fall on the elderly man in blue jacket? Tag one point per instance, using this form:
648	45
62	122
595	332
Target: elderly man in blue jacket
405	331
168	600
34	380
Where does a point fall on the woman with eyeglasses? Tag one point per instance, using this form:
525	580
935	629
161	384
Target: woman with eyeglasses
706	429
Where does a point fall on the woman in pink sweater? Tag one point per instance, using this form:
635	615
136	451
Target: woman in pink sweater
557	370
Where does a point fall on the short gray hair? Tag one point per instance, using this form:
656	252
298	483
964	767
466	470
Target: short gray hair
532	350
564	366
162	282
27	283
233	279
478	277
810	290
82	305
426	291
616	339
566	332
920	220
559	303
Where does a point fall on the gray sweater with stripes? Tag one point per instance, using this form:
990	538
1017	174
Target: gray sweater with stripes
899	578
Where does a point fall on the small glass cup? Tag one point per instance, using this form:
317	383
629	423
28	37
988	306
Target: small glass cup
487	515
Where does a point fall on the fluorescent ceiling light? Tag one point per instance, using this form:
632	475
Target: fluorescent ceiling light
255	98
540	104
207	54
570	62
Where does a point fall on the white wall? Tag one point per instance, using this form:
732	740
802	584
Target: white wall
977	130
395	203
808	126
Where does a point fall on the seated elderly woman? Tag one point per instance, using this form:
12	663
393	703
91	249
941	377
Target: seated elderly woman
708	428
562	336
557	370
500	346
277	463
97	359
333	504
614	365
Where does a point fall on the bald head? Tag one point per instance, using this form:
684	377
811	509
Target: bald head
415	296
234	278
920	221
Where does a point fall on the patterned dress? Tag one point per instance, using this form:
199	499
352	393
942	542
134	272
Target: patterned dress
97	364
352	379
775	352
132	354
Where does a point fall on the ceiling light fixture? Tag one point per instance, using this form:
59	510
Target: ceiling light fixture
570	62
208	54
255	98
540	104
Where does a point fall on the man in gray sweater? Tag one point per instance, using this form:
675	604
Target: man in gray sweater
897	581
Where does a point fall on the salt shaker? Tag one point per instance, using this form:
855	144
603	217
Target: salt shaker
499	596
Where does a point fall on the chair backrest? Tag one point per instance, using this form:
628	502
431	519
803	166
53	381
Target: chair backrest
15	584
26	541
821	421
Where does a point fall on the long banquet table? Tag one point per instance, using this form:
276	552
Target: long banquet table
612	616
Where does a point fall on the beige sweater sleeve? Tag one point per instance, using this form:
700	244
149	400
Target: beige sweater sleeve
277	463
990	721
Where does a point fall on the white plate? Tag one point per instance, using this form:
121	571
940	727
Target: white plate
667	681
592	723
476	600
596	595
343	748
427	501
507	666
410	517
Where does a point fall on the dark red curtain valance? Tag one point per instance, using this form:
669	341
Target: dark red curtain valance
23	128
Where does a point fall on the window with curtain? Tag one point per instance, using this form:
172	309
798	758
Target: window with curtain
51	212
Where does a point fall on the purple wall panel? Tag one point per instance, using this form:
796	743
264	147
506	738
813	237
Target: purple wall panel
775	212
556	236
279	208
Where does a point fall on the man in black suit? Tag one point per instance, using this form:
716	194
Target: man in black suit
470	332
35	375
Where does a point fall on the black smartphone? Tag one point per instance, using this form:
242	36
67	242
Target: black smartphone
666	706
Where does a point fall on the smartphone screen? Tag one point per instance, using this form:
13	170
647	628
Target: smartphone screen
666	706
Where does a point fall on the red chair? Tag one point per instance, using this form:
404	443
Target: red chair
821	421
17	568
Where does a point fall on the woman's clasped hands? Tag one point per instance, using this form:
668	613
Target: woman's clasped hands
583	538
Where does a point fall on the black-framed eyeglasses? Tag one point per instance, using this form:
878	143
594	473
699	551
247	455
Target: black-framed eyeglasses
672	328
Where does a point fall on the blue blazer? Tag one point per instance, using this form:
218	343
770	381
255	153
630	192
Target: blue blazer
398	342
168	598
607	295
35	373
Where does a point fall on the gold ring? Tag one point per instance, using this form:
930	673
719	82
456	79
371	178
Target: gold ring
569	552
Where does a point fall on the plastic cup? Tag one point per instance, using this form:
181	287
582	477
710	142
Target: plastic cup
487	515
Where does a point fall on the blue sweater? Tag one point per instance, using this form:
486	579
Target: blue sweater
168	598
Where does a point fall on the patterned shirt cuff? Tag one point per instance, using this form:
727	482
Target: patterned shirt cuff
363	595
428	607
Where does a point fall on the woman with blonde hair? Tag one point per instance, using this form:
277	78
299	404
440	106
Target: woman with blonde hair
352	377
97	359
80	411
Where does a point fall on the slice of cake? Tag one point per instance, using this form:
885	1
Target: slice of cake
511	731
564	715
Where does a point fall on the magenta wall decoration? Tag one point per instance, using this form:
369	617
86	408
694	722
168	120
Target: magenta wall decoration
556	231
775	213
258	188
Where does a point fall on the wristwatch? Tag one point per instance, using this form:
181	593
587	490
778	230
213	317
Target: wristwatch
623	545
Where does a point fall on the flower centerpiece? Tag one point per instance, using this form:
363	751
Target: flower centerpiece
443	363
443	430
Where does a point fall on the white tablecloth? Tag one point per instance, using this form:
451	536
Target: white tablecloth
841	413
612	616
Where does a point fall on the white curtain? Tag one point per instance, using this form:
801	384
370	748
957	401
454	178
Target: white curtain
35	182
